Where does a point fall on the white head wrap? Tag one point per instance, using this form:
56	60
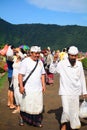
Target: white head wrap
73	50
35	49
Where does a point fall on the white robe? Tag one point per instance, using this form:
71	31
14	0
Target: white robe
17	94
32	103
71	111
72	79
72	84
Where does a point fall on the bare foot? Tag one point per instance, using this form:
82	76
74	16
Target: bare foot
63	127
12	107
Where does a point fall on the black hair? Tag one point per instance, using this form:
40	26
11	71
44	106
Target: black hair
12	47
22	50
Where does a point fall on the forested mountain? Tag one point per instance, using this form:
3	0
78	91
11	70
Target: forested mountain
55	36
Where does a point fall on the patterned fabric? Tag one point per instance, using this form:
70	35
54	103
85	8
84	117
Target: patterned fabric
31	119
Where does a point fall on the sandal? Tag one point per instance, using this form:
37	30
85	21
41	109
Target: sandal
16	111
8	105
12	107
21	122
38	125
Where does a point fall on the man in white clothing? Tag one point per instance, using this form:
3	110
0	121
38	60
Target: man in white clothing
72	85
32	101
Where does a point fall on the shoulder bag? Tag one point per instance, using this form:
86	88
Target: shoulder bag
24	82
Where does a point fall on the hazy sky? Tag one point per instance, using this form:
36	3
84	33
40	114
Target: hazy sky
60	12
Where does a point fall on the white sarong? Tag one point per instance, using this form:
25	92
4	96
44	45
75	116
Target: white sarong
71	111
32	103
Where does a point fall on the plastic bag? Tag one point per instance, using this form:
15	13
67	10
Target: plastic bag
9	52
83	109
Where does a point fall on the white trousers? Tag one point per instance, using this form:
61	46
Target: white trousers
71	111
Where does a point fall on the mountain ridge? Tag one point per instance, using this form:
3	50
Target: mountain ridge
55	36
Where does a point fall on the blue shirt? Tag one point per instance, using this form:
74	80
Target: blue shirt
10	68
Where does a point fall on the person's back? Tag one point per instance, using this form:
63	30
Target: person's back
10	88
49	58
10	68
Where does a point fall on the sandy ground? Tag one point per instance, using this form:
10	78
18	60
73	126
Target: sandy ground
51	114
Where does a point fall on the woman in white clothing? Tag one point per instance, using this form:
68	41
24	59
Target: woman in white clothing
17	94
32	102
72	85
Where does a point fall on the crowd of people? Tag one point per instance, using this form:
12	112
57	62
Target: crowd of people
37	67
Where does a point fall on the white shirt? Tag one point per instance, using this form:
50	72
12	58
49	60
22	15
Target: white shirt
34	82
72	79
16	67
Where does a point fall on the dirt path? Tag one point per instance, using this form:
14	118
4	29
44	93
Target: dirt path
51	115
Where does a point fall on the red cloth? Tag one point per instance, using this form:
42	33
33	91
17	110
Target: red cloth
4	50
49	78
5	67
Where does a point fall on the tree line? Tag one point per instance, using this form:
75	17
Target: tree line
55	36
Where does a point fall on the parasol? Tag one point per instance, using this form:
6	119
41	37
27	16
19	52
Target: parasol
24	47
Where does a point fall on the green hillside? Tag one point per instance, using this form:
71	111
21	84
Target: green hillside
55	36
